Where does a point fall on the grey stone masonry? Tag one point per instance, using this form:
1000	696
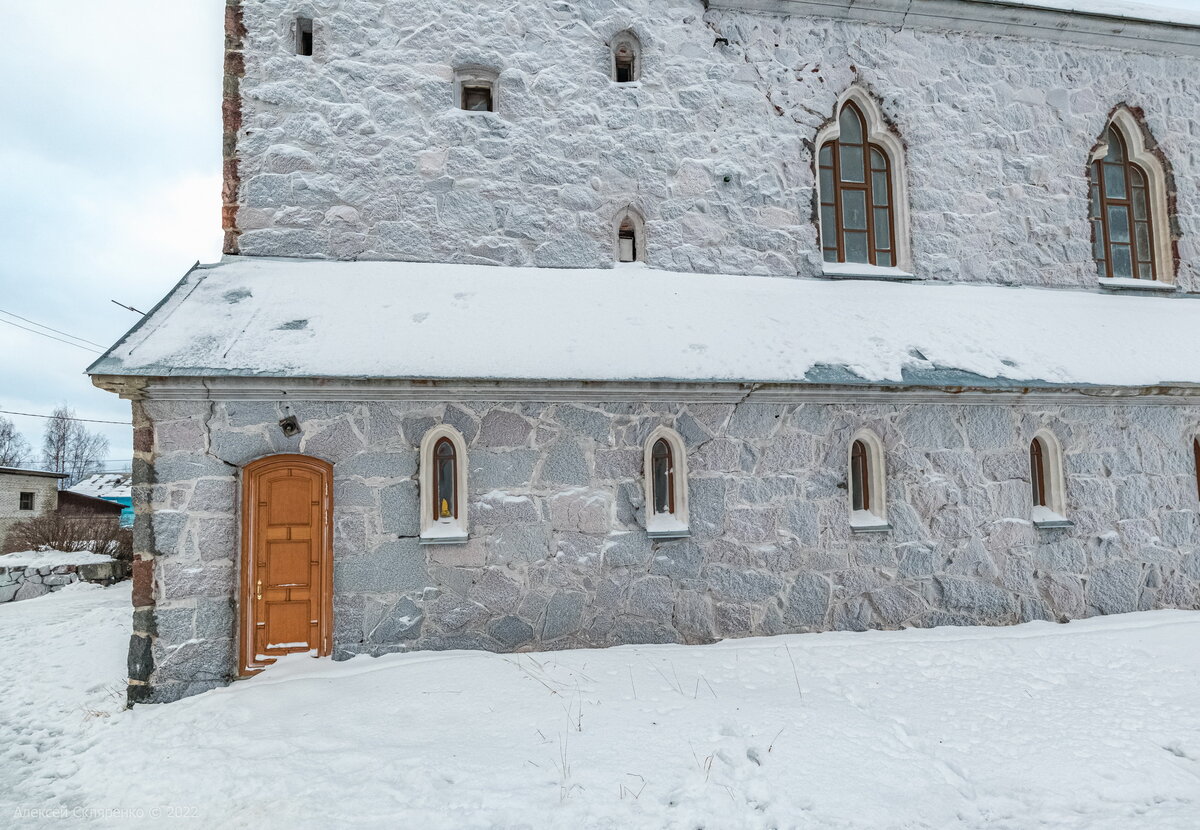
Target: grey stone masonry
359	151
558	556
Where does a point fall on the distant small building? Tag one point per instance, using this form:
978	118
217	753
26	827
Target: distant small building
111	487
78	506
25	494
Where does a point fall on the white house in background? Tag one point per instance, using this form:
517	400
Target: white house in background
553	325
114	487
25	494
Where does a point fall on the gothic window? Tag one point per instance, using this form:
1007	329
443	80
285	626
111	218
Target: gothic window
860	188
443	483
666	485
1047	483
626	58
630	236
477	89
304	36
1128	208
867	483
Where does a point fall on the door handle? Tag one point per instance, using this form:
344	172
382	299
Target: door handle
259	595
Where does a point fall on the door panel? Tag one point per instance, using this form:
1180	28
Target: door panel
286	559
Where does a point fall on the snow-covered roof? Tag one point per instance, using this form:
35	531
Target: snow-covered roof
1186	12
105	486
320	319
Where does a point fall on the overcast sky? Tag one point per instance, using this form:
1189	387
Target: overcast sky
111	160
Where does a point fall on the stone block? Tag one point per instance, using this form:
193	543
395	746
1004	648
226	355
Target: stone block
589	423
500	428
982	601
1114	588
677	559
500	508
563	614
335	442
807	602
627	550
491	470
510	631
400	508
564	463
387	622
895	605
214	495
183	579
393	566
618	464
740	586
651	597
390	465
582	510
518	543
496	591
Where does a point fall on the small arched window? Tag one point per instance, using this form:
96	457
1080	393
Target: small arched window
1196	453
868	503
1047	484
860	187
443	482
666	485
630	236
626	58
476	88
1128	208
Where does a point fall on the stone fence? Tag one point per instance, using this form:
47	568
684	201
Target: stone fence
21	582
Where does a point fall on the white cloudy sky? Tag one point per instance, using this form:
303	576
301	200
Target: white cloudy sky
110	151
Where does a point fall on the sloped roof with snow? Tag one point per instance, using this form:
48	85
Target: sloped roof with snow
105	486
319	319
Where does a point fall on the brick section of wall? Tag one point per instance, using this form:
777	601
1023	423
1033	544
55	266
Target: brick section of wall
231	118
45	499
558	557
359	151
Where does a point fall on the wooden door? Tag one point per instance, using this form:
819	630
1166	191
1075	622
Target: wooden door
287	559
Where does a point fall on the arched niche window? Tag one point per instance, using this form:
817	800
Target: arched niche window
1196	455
629	236
665	467
1047	484
1128	211
860	189
626	58
867	483
443	482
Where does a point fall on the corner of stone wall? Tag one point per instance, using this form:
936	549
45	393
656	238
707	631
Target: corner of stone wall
141	641
231	117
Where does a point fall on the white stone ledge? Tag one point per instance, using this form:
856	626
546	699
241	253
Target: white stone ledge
1122	284
997	17
863	271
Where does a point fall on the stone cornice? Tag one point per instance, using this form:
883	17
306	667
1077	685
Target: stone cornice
315	389
995	17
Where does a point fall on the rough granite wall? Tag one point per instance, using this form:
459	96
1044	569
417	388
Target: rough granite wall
558	556
359	151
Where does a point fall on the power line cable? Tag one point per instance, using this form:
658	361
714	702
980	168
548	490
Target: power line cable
52	337
85	420
56	331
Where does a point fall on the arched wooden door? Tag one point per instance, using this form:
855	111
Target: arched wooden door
287	559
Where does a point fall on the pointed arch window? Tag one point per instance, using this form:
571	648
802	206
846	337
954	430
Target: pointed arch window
1128	206
867	484
666	485
443	483
1047	482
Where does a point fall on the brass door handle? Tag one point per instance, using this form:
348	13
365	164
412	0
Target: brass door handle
259	596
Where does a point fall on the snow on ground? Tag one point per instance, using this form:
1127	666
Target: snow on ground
1091	725
51	558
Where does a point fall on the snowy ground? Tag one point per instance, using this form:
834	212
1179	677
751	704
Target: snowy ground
1091	725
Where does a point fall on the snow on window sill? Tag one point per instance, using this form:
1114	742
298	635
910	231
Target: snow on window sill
1126	284
666	527
443	534
863	271
1046	519
864	521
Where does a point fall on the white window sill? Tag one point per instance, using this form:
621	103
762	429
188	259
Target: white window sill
863	271
862	521
440	536
1046	519
1124	284
669	534
666	527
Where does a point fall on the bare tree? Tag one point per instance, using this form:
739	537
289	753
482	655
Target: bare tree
14	449
68	447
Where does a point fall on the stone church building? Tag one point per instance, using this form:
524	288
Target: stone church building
553	325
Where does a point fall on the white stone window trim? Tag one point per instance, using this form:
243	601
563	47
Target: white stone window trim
443	531
875	519
1133	131
628	38
632	214
666	525
878	132
476	76
1054	514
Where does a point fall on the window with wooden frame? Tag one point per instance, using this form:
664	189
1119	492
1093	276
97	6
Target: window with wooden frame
1196	453
666	485
1047	482
867	483
857	220
26	501
477	89
626	58
1128	206
443	486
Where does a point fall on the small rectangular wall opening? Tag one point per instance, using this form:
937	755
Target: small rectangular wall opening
478	98
304	36
26	501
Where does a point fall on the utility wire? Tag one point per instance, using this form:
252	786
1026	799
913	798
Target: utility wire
56	331
85	420
52	337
